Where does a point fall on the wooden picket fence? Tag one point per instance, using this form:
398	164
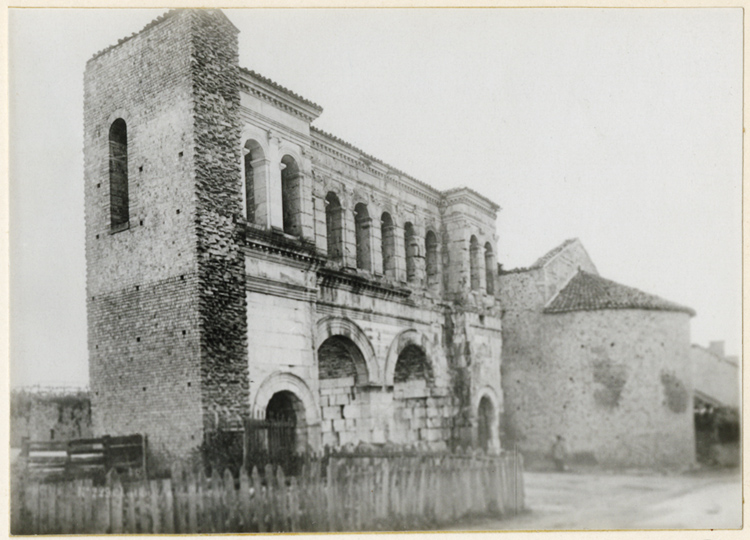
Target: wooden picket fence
347	495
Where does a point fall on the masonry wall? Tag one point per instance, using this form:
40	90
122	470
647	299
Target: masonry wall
142	281
49	416
166	313
617	384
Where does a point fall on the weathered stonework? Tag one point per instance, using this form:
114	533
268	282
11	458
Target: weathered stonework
220	300
615	382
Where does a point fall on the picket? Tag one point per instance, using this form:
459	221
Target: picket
259	502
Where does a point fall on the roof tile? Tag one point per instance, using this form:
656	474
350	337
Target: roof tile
589	292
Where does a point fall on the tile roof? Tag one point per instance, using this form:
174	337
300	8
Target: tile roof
589	292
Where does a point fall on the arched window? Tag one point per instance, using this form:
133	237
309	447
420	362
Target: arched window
474	254
290	195
388	246
485	424
431	259
489	268
410	247
253	153
119	204
334	227
362	234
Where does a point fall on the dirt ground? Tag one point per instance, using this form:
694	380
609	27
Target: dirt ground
600	500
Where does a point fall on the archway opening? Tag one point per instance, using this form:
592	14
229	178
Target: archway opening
412	364
431	260
414	421
411	249
285	426
362	235
341	368
252	160
485	422
474	255
334	227
291	201
388	247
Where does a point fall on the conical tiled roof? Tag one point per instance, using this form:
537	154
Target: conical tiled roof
589	292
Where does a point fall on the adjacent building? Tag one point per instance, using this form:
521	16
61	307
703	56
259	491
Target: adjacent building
603	365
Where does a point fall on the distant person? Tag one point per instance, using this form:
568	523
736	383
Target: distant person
560	453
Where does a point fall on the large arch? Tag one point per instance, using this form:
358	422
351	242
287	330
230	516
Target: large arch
332	326
280	381
416	338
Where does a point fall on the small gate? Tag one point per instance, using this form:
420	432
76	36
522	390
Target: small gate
271	441
260	443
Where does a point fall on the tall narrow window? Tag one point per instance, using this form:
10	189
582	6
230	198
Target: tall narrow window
489	268
362	233
431	259
410	247
388	244
334	227
290	195
119	210
253	153
474	254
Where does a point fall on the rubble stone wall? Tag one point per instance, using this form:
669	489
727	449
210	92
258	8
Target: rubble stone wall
617	384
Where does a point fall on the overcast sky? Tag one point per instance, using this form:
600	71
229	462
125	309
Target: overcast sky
620	127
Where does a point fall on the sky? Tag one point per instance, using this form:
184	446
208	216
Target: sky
621	127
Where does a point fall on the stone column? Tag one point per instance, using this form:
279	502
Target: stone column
376	244
400	255
273	184
319	222
349	236
306	226
419	252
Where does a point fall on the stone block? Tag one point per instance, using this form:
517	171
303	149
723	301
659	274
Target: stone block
339	399
434	422
352	411
440	391
431	434
339	425
330	439
331	413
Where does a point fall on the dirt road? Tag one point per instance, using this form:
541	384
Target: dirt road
580	501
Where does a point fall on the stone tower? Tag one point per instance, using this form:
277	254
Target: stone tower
167	331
